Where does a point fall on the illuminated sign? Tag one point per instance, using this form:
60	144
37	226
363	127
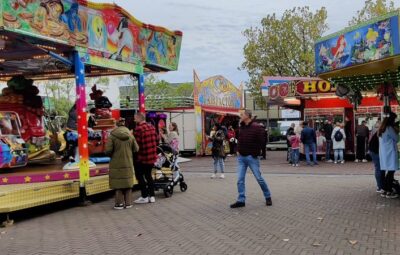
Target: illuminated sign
314	87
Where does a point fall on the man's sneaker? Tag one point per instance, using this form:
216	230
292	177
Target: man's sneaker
335	162
119	207
356	161
294	165
365	161
222	176
380	191
297	165
268	201
316	164
128	206
330	161
392	195
383	194
142	200
342	162
238	205
213	176
152	200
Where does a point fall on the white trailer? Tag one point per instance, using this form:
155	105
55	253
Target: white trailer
185	120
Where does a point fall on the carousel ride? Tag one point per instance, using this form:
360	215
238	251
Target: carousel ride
45	40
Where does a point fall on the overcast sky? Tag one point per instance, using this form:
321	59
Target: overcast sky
212	29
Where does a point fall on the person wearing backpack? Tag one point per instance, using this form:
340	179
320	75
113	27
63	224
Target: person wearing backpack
338	138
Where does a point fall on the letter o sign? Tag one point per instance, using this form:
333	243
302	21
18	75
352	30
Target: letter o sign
324	86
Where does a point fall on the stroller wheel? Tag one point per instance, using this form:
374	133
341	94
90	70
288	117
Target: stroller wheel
168	191
183	186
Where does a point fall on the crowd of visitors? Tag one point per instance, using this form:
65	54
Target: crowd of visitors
134	153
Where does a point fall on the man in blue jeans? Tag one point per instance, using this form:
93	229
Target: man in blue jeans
250	142
309	140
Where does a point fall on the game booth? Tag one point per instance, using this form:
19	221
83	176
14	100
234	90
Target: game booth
361	61
57	39
318	100
216	100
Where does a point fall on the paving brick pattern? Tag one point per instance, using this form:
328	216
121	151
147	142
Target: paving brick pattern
312	214
276	164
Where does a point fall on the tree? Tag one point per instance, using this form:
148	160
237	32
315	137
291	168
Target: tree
373	9
282	46
160	94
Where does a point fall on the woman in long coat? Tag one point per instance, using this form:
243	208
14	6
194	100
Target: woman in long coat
121	145
388	154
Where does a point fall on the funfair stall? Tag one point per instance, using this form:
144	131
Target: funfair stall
216	100
361	59
318	101
55	39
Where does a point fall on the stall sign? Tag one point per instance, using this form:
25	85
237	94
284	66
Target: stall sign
219	92
362	110
314	87
371	41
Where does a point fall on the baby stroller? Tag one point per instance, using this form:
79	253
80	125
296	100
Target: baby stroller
166	172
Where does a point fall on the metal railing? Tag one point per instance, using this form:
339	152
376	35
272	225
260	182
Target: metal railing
158	102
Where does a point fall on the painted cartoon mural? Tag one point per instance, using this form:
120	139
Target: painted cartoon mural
106	30
218	92
370	42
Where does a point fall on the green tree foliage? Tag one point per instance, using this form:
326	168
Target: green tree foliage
159	93
282	46
61	93
373	9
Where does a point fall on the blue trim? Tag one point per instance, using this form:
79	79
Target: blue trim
79	69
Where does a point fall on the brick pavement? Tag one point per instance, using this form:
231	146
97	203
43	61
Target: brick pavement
276	164
312	214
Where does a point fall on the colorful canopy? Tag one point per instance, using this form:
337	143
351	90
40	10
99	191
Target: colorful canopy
108	39
364	55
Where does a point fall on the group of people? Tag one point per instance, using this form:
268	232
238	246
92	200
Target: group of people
135	154
380	143
384	153
333	137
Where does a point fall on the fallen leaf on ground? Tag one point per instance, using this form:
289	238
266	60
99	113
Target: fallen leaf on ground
286	240
385	230
316	244
3	232
320	218
353	242
138	235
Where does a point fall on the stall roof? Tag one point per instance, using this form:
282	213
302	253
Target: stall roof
109	40
363	51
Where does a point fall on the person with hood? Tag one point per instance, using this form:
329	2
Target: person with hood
338	137
121	145
388	154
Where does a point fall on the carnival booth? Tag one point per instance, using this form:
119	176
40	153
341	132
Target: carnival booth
42	40
318	100
216	100
361	60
